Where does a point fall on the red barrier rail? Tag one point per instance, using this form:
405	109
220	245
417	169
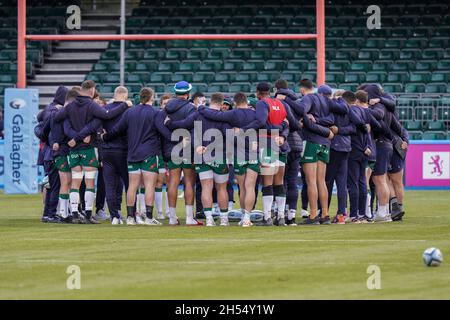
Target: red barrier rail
22	37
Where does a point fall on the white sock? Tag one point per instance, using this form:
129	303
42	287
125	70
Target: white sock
158	201
166	201
368	211
246	216
291	214
89	198
281	203
140	206
224	214
189	212
74	201
267	206
230	205
208	214
172	213
382	210
62	207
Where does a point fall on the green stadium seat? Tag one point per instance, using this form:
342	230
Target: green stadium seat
199	87
182	76
443	65
377	77
414	88
397	76
413	125
211	65
197	54
443	113
245	77
409	54
349	86
160	77
253	65
296	65
203	77
425	65
218	54
430	135
362	66
130	77
334	77
239	54
420	77
7	78
175	54
435	126
166	66
222	77
218	87
100	67
392	87
267	76
274	65
415	135
259	54
440	77
435	88
354	77
368	55
239	86
189	65
290	77
381	65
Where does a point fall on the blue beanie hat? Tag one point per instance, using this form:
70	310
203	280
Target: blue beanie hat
182	87
325	90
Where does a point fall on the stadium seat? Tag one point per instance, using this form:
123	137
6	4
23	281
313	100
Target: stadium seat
431	135
435	126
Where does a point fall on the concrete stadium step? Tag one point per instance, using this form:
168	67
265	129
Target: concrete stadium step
46	91
81	46
71	61
87	31
59	77
52	82
63	68
76	55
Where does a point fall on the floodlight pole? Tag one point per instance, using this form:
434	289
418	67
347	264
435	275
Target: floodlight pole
21	43
122	43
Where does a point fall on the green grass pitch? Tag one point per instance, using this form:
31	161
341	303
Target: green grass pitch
313	262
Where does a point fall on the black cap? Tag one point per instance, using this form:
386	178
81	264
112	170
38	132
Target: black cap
263	87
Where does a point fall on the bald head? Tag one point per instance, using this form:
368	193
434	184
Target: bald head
120	93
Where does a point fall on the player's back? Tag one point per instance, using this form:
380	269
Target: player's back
143	137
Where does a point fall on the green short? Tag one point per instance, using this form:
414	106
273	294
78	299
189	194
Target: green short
62	164
150	164
314	152
242	167
371	164
83	158
217	168
185	164
270	157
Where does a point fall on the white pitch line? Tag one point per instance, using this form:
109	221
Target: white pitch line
177	263
232	240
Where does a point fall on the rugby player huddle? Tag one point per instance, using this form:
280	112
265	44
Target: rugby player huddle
351	140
